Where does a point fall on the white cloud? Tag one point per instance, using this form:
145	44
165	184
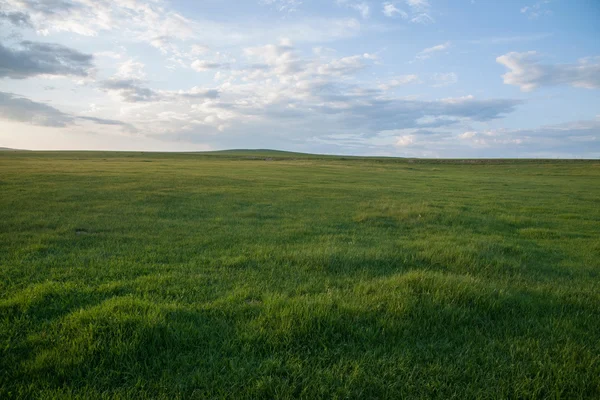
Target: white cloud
131	69
430	51
155	23
563	140
418	4
282	58
536	10
88	18
343	66
420	11
422	18
399	81
390	10
197	49
567	140
362	8
284	5
406	140
528	73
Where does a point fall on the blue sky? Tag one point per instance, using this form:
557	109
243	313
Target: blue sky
419	78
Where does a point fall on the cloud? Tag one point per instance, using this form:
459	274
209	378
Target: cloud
163	43
282	58
419	5
198	49
130	90
202	65
17	108
103	121
477	110
405	140
344	66
35	58
422	18
322	108
21	109
157	24
430	51
281	96
62	15
16	18
362	8
131	69
528	73
400	81
199	93
420	11
565	140
390	10
129	83
137	19
283	5
536	10
283	62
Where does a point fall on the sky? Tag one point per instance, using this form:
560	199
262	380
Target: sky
408	78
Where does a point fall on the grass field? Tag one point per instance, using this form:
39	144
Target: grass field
271	275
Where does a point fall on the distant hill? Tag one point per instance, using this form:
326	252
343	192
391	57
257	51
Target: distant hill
261	154
258	153
268	154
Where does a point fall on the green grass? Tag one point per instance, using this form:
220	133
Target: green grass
266	275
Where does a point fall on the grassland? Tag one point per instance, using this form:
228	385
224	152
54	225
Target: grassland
271	275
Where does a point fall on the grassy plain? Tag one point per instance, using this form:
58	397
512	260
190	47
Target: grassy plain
270	275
